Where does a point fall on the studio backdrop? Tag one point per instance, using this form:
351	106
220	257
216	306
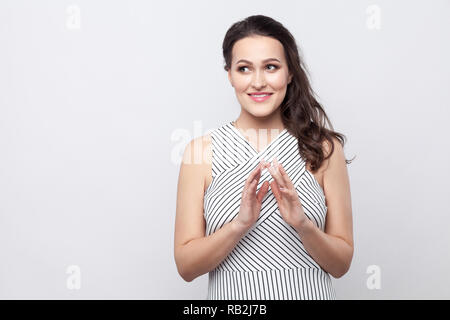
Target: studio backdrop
98	100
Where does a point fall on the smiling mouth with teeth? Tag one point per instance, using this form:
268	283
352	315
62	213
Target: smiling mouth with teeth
259	95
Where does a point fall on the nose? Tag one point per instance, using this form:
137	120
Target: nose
259	80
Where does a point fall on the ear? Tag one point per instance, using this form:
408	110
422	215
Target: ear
290	78
229	77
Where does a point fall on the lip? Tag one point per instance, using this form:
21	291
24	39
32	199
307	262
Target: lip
260	99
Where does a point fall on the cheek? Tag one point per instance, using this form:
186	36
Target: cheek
277	81
241	83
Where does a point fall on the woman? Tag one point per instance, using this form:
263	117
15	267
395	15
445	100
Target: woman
266	220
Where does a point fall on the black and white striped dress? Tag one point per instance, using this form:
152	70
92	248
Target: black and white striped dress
269	262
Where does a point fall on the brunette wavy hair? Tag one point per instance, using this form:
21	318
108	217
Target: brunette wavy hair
301	113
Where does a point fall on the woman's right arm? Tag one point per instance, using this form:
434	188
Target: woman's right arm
195	253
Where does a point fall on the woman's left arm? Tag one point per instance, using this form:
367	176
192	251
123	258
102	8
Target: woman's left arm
332	249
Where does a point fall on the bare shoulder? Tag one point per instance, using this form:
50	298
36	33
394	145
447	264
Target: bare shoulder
197	159
338	155
197	151
327	148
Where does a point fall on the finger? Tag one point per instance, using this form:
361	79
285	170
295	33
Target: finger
276	176
253	186
275	190
250	190
265	164
254	174
262	191
289	194
258	174
284	175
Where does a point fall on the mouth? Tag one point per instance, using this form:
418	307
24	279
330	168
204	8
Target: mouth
259	97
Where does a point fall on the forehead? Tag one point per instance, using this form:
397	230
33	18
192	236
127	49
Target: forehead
258	48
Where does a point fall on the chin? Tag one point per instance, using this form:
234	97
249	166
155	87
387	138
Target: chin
259	113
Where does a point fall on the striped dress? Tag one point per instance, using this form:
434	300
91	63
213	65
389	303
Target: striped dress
269	262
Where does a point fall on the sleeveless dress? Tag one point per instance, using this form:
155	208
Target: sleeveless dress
269	262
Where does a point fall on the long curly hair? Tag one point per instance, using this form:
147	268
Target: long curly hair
301	113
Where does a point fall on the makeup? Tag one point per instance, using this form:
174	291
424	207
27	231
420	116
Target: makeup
260	97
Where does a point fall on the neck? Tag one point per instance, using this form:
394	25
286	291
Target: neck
246	121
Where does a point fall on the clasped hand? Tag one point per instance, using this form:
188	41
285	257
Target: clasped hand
283	189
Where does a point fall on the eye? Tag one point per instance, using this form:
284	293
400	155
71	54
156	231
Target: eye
275	67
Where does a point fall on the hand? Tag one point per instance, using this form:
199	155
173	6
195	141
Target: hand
251	201
287	198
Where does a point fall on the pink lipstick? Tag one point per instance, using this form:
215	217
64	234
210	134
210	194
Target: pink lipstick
260	96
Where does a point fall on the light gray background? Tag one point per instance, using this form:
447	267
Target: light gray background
93	120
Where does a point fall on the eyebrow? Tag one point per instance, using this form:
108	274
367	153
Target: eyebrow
266	60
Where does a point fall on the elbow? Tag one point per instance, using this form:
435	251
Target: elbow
182	269
182	272
185	275
344	267
340	273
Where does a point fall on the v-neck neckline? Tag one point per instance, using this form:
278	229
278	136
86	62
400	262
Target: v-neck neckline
241	136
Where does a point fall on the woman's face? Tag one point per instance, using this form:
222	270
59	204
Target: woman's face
258	65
